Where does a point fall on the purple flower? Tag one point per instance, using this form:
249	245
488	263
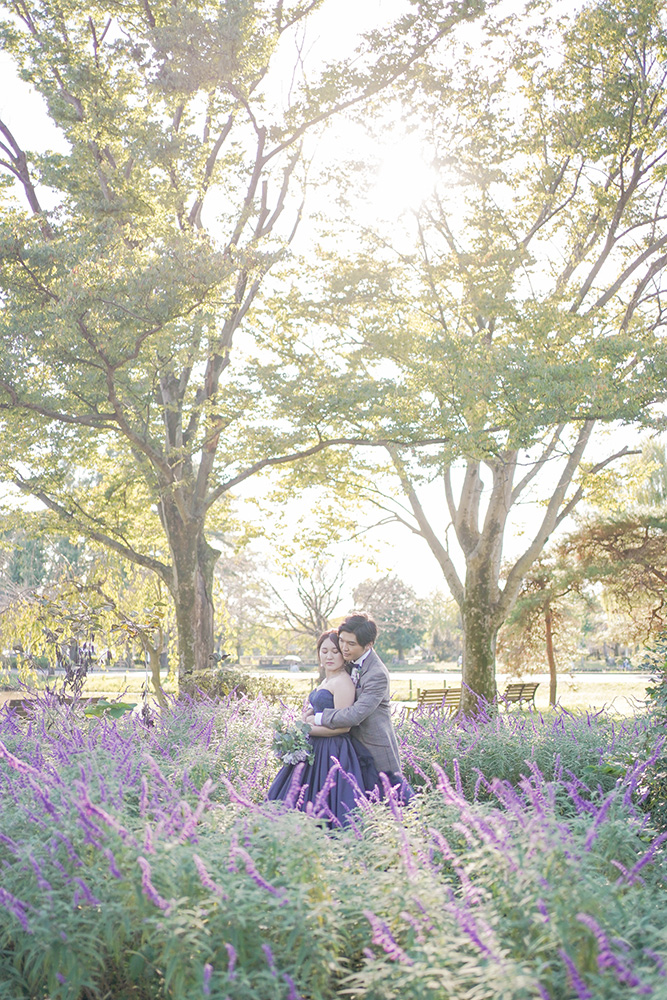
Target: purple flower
251	869
383	937
85	895
16	907
41	881
192	818
208	972
414	923
148	840
268	955
231	961
293	994
657	959
113	867
234	795
607	958
205	878
19	765
646	858
148	888
88	809
143	800
577	983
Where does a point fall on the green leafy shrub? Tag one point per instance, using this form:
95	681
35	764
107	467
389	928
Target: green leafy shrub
223	681
144	862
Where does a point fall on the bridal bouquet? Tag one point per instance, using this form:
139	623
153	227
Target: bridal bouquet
291	744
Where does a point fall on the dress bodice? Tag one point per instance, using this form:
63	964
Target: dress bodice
320	699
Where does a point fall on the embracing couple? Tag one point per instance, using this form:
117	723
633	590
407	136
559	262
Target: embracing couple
350	723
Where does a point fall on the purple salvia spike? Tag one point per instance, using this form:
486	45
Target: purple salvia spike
646	858
293	993
234	795
205	878
577	983
594	828
414	923
383	937
16	907
148	888
113	867
41	881
655	957
90	809
206	979
231	961
194	817
391	797
19	765
330	781
148	840
143	800
268	955
85	895
457	776
468	924
251	870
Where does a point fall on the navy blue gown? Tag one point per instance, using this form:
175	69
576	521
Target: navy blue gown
358	775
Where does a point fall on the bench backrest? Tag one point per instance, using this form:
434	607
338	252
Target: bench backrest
519	691
439	697
431	696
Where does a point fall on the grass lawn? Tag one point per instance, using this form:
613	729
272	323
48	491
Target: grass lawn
619	692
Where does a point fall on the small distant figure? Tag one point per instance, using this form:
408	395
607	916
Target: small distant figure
626	664
459	661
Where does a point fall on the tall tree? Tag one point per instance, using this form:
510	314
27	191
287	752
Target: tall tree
141	250
311	595
529	310
395	608
545	622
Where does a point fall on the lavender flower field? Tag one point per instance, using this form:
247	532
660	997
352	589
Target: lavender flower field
143	862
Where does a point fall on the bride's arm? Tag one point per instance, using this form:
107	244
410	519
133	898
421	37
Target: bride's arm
343	694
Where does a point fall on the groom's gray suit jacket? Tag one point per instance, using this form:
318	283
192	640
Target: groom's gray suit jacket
369	718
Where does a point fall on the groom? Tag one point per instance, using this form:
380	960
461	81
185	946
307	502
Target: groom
370	715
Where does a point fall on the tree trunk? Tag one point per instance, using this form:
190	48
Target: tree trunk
204	611
154	660
480	630
548	629
192	591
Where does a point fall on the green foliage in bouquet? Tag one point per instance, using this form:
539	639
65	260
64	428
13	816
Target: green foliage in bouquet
291	743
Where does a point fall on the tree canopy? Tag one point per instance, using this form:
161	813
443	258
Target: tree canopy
526	308
480	345
138	251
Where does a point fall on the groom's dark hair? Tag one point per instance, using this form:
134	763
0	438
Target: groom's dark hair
363	627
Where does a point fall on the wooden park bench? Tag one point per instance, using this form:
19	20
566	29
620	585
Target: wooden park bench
437	699
517	693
